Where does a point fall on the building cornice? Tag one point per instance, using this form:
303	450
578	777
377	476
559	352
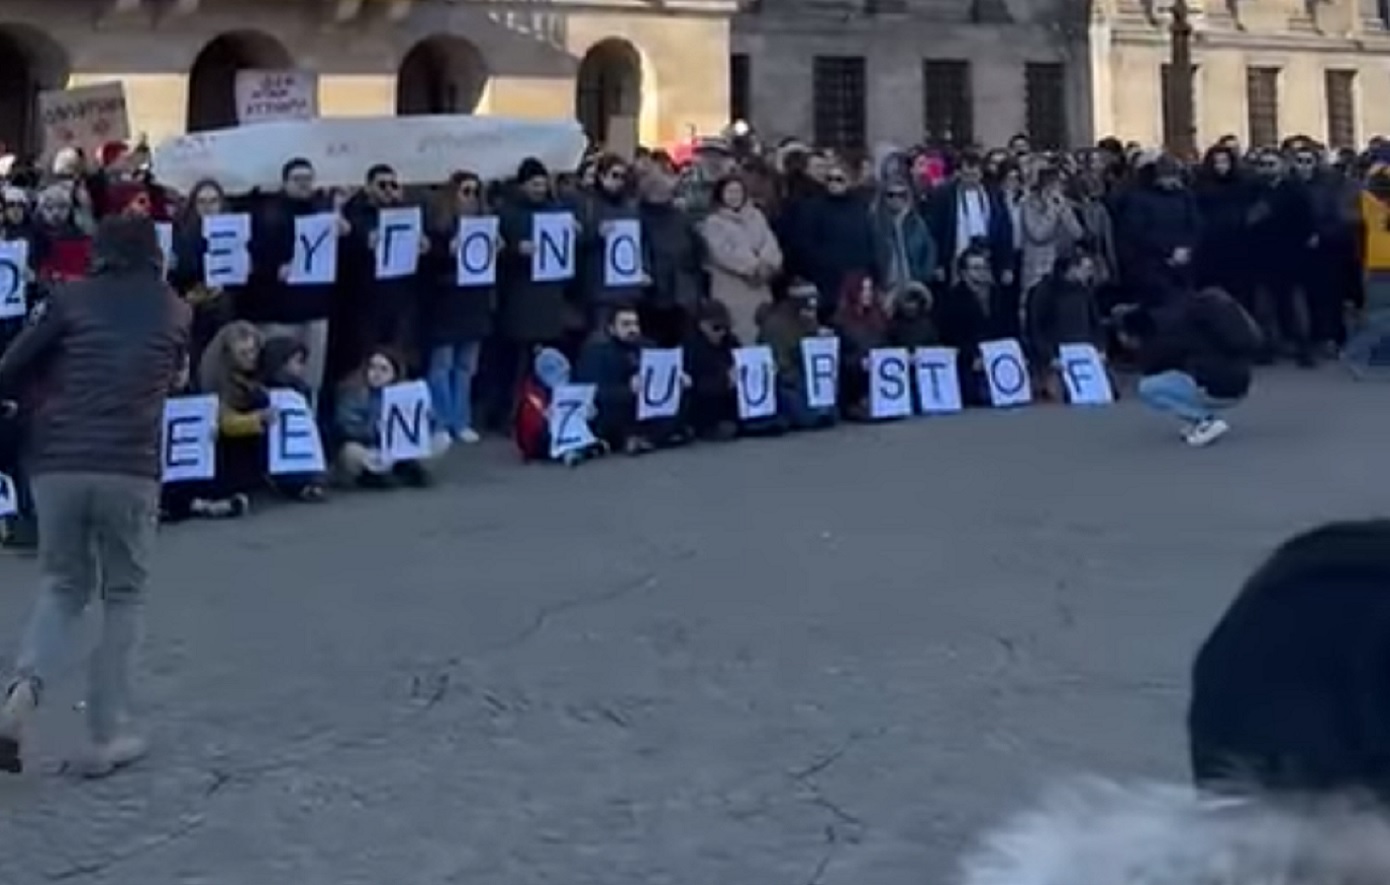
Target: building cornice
1257	41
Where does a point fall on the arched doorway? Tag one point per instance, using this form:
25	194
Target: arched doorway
30	63
609	85
440	75
212	79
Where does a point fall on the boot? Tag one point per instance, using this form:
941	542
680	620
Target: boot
19	706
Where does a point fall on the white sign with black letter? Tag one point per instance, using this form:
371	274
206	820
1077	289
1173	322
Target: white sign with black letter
164	233
295	446
756	374
622	253
553	238
1083	372
568	419
9	497
227	261
1007	373
659	390
14	278
189	438
890	383
405	422
938	380
477	251
820	363
315	260
397	250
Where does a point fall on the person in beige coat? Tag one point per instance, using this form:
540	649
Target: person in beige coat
741	255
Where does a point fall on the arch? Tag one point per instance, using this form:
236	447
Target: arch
212	79
609	84
30	62
443	74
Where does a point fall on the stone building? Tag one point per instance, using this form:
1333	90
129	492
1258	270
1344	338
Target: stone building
852	73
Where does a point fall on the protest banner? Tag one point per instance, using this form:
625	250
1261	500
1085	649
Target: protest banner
269	96
85	117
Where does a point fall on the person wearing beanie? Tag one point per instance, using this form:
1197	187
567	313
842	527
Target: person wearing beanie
109	348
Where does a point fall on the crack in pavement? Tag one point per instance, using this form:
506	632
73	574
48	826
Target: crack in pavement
545	613
147	845
854	825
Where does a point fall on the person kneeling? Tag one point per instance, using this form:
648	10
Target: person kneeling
1196	360
611	361
782	326
709	354
357	423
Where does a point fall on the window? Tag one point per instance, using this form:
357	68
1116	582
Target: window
1341	109
1045	88
740	87
1171	135
947	108
1262	101
839	87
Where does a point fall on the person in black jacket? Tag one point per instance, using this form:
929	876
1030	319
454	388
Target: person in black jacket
973	311
106	352
709	358
611	360
1281	236
1196	360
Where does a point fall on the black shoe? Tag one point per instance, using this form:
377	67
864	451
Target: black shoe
411	474
370	480
21	535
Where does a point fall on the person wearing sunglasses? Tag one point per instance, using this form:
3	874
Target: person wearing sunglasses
387	309
840	244
905	247
609	201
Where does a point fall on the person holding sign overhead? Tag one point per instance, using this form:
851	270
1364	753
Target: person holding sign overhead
460	295
212	305
381	256
612	362
108	349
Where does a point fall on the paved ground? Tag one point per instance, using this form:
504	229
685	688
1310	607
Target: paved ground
824	659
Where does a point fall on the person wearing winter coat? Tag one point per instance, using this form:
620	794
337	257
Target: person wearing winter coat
611	361
966	212
861	321
608	202
708	349
906	250
1157	229
783	326
971	312
674	255
213	308
457	319
531	312
1047	226
842	243
911	324
741	255
357	425
1281	235
1063	309
1223	199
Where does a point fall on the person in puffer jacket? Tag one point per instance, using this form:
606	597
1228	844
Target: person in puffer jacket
1098	832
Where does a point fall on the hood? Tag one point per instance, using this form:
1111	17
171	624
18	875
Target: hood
1103	833
277	352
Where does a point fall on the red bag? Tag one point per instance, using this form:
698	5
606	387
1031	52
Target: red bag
532	426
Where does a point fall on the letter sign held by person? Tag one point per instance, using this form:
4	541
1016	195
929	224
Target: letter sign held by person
820	364
553	235
890	383
315	260
659	394
1083	373
938	382
189	438
9	498
14	282
227	261
405	422
1007	373
164	232
398	234
295	446
622	253
756	373
477	251
568	419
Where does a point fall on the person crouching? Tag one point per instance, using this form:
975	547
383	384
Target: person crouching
611	361
358	427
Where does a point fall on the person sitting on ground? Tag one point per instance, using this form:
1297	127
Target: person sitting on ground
1063	310
973	312
549	370
783	326
709	358
1196	360
231	368
357	425
188	499
862	324
611	360
911	324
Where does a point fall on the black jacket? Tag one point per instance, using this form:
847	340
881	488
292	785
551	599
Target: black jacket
267	299
452	314
1210	337
104	354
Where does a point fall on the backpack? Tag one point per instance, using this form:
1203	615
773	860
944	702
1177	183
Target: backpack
531	429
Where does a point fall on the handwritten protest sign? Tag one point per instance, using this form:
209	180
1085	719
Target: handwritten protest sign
85	116
267	96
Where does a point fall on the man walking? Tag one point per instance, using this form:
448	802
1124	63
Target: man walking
103	355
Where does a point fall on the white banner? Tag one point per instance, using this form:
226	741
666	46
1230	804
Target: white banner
938	380
84	116
9	497
267	96
227	261
553	240
398	236
315	259
422	150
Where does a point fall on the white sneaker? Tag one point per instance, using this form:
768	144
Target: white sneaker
14	714
1207	432
440	443
103	760
469	436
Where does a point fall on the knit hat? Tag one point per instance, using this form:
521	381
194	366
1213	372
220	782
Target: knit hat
551	367
531	168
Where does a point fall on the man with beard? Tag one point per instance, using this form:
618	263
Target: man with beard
386	310
611	361
1280	239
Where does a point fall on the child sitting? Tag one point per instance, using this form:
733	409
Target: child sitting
549	370
357	424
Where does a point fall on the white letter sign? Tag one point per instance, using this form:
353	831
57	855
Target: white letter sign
552	235
188	441
659	393
820	363
938	382
295	446
1083	372
164	232
405	422
756	372
568	419
9	497
398	233
226	261
315	258
1007	372
477	251
14	283
622	253
890	383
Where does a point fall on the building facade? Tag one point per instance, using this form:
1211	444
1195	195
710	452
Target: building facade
848	73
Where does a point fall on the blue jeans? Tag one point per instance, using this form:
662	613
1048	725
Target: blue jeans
1177	393
450	377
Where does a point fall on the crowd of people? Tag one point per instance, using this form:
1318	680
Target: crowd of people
1204	269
